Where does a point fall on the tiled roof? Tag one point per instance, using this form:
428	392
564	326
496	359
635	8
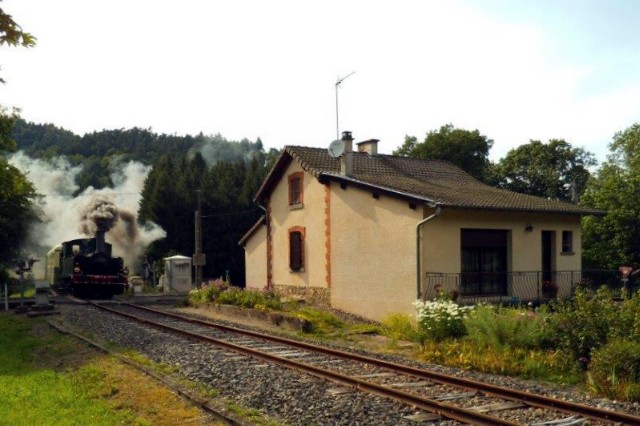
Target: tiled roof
433	181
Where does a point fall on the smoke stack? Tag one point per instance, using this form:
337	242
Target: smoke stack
102	227
369	146
100	242
346	161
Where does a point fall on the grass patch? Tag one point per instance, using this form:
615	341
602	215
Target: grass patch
323	324
553	366
31	394
149	364
28	292
52	379
251	414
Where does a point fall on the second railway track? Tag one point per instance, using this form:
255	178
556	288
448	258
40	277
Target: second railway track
443	395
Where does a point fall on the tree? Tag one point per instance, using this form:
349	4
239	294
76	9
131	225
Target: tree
12	34
17	194
614	239
17	197
553	170
467	149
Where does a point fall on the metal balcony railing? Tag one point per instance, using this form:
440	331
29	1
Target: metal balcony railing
519	287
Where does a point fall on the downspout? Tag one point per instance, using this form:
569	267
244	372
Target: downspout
266	218
418	246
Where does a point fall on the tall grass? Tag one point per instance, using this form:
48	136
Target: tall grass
499	327
31	394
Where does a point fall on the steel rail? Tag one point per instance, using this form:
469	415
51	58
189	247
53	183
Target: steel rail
446	410
531	399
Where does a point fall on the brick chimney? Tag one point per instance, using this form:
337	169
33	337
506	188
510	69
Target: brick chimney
369	146
346	160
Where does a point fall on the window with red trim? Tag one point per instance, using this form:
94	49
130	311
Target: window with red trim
295	188
296	248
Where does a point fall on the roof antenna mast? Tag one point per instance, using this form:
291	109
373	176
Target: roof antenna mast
340	80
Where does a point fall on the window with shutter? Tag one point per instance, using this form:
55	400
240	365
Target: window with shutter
295	189
296	249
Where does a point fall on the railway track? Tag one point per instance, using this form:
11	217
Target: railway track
436	394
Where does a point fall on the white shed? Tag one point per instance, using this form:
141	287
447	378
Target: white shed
177	274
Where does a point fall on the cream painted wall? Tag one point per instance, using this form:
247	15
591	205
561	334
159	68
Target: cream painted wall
312	217
373	253
255	257
442	241
373	243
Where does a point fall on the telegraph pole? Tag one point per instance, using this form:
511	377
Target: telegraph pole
198	257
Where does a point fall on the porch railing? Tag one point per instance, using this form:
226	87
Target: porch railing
519	287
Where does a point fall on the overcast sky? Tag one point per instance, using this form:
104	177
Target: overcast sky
515	70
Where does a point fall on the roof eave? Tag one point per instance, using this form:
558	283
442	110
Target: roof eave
589	212
252	230
283	160
434	203
385	190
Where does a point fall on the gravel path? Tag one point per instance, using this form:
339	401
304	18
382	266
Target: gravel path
277	392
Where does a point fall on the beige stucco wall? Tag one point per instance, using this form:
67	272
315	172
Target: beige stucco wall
371	245
442	241
255	258
373	257
312	217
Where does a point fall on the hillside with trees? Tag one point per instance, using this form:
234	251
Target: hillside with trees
228	173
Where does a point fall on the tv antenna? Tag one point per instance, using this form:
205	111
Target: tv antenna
340	80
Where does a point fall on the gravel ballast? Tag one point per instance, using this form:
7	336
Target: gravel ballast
287	396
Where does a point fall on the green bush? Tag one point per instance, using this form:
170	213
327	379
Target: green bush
249	298
583	324
615	370
508	327
627	324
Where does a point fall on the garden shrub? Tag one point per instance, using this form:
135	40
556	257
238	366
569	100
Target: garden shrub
627	324
615	370
221	292
514	327
583	324
208	292
440	319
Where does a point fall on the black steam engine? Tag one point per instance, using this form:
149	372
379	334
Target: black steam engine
85	268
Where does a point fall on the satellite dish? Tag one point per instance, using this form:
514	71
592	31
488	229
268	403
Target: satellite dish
336	148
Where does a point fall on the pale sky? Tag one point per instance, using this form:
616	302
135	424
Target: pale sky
515	70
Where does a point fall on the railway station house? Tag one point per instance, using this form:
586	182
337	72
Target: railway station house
369	234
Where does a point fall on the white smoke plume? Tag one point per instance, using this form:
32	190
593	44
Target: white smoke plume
62	212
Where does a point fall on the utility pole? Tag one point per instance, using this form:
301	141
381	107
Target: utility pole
199	258
340	80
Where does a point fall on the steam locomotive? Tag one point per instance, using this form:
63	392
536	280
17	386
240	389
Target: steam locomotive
85	268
